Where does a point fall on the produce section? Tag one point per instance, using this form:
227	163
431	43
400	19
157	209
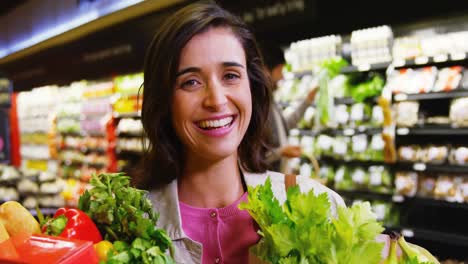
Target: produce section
392	132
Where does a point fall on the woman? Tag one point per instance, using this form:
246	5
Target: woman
205	105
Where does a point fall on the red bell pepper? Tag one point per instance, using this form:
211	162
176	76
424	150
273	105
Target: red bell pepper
72	223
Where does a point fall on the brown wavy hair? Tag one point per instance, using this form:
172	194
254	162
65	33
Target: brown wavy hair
163	159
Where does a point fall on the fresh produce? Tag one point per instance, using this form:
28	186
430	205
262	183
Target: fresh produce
72	223
125	216
102	249
3	233
411	254
304	230
18	220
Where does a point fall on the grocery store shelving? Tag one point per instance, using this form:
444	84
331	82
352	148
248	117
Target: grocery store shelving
350	100
81	163
127	115
342	132
439	60
366	67
431	235
130	134
428	167
463	92
45	211
432	130
351	162
129	152
84	149
399	199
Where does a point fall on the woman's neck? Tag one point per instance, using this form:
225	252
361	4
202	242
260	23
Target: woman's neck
209	184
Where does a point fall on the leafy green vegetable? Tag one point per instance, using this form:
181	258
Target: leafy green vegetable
303	230
125	216
369	88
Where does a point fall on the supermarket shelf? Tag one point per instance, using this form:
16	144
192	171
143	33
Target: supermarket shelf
350	100
431	235
84	149
45	211
335	161
440	60
127	115
432	130
302	74
366	67
129	152
130	134
81	134
398	199
79	163
341	132
26	157
431	96
365	195
443	168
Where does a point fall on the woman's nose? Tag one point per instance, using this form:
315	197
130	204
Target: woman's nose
215	98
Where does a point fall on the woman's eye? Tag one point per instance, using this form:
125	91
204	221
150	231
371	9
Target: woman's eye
231	76
189	83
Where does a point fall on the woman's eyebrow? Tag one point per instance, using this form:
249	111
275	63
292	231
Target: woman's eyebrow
189	69
232	63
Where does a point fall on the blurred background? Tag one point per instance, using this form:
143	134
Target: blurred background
389	125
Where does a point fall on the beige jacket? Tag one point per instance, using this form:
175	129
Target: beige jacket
166	203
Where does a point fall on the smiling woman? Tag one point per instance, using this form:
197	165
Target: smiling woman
205	108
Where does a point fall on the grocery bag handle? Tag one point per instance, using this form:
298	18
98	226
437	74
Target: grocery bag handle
290	181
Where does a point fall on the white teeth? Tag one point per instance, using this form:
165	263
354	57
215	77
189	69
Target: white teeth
215	123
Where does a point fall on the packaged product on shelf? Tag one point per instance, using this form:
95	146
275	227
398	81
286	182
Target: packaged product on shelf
359	147
323	145
406	114
360	114
409	153
341	147
446	187
376	148
326	174
27	186
463	189
308	145
459	155
54	201
51	187
448	79
377	118
380	179
464	80
459	112
306	170
381	210
406	183
371	45
341	115
397	81
424	79
8	194
307	121
9	173
407	47
30	202
360	178
434	154
130	125
427	185
343	180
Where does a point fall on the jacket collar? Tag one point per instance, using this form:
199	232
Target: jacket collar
166	200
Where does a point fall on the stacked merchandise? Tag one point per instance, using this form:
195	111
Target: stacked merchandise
129	129
398	140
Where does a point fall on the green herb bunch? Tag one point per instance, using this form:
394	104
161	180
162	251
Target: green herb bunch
303	229
125	216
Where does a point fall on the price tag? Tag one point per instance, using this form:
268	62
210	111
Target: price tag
407	232
419	167
441	58
364	67
398	198
403	131
421	60
401	97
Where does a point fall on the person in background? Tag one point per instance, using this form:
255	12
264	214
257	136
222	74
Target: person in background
280	124
206	101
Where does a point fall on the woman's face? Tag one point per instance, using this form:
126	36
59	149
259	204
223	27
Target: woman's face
212	103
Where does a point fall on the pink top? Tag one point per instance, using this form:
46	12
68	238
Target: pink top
225	233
